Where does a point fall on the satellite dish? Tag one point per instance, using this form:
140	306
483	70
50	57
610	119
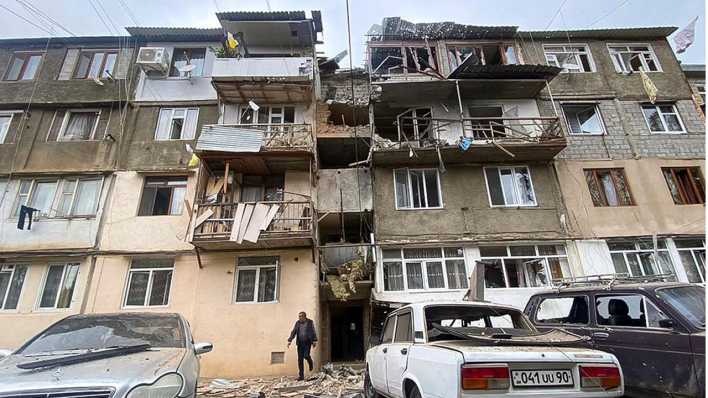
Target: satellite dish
97	81
186	69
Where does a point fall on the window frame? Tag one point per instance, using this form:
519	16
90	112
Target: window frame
165	179
693	251
410	328
4	134
681	191
239	268
172	62
56	197
402	46
172	118
620	68
636	251
424	269
513	169
657	107
23	69
537	256
573	296
3	300
65	124
65	269
626	294
148	290
102	70
425	189
256	114
596	106
479	46
565	46
603	193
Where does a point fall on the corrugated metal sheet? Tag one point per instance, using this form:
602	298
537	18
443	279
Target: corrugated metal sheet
176	34
229	139
611	33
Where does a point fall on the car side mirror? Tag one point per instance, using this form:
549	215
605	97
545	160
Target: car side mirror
666	323
202	348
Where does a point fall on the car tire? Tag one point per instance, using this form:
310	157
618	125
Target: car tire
414	393
369	391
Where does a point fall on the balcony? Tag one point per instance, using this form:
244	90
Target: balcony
290	138
346	272
471	140
260	225
269	80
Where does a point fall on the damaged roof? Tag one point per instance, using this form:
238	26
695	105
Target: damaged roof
397	28
266	16
609	33
176	34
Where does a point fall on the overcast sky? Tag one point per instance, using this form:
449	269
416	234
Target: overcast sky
79	16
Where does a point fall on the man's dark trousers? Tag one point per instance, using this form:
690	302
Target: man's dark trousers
303	353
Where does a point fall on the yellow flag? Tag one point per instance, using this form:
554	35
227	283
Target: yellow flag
193	162
231	41
649	86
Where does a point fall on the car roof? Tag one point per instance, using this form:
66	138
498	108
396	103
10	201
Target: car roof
419	306
126	315
605	287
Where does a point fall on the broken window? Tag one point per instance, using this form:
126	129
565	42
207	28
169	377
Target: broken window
583	119
636	257
693	257
59	284
424	269
487	122
149	282
96	64
419	59
79	125
24	66
267	115
163	196
415	124
417	189
608	187
510	186
256	279
632	58
12	277
563	311
571	58
262	188
176	124
187	62
486	54
662	118
5	122
523	266
685	184
386	60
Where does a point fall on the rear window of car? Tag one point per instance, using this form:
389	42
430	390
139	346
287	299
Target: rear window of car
572	310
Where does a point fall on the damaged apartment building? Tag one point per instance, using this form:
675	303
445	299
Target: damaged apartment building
237	176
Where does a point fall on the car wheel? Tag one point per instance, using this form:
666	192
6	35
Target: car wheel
414	393
369	391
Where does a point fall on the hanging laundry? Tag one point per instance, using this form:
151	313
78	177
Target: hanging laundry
649	86
231	41
25	213
465	143
685	37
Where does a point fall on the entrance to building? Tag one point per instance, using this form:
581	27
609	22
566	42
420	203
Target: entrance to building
347	332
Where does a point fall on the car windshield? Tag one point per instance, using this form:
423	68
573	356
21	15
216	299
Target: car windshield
475	320
687	300
98	332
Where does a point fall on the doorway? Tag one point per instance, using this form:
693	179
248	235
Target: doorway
347	331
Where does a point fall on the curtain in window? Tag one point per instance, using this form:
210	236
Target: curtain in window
266	284
414	275
246	285
137	288
524	185
609	188
456	276
80	126
42	196
393	276
435	275
13	295
67	286
402	194
160	291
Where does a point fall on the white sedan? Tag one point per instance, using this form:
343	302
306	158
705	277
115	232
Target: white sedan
465	349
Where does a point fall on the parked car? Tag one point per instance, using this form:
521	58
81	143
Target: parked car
131	355
656	330
465	349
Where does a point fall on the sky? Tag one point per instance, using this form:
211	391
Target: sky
80	16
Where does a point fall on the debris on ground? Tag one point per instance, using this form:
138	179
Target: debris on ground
331	382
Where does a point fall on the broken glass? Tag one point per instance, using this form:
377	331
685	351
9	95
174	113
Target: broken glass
386	60
494	274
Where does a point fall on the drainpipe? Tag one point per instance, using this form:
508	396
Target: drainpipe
459	102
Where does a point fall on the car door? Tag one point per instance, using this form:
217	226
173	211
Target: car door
570	312
655	358
397	355
377	368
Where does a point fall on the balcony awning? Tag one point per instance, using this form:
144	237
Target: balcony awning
229	139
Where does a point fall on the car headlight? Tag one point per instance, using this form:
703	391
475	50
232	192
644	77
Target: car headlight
167	386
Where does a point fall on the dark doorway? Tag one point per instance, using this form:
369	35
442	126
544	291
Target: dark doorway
347	327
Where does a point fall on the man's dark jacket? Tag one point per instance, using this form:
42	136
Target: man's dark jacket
310	335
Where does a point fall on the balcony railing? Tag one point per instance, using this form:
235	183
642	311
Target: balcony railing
276	137
266	67
293	218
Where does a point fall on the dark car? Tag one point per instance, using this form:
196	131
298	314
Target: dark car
656	330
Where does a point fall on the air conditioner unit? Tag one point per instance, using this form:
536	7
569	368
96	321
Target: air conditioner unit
153	59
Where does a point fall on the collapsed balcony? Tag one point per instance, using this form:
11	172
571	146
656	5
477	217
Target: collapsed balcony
346	272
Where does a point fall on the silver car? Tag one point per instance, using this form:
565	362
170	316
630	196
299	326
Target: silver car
131	355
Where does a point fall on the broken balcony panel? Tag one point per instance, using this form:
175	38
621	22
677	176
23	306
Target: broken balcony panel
251	138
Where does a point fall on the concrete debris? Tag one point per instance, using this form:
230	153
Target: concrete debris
331	382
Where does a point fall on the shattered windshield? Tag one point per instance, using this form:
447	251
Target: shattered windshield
471	320
687	300
98	332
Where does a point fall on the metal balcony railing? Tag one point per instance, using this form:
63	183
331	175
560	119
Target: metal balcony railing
280	136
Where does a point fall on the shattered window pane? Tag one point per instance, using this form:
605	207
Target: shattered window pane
423	191
525	190
419	59
685	185
564	310
619	263
493	274
386	60
625	310
583	119
458	55
633	59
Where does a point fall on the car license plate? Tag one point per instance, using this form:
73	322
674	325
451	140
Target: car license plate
541	378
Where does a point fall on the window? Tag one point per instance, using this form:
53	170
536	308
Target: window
163	196
257	280
267	115
693	257
572	58
608	187
182	57
563	311
388	60
583	119
490	54
23	66
97	64
636	257
79	125
685	185
59	283
404	328
523	266
424	269
77	196
630	310
177	124
662	118
262	188
12	277
37	194
388	330
415	124
417	189
632	58
5	122
510	186
149	282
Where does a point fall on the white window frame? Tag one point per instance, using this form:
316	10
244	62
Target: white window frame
65	124
3	300
23	69
424	270
636	251
58	185
597	111
66	266
425	189
4	132
256	114
72	206
102	73
538	256
694	255
513	169
663	120
622	68
184	123
576	54
172	56
148	291
276	296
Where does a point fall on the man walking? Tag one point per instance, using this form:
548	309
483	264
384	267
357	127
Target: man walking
305	337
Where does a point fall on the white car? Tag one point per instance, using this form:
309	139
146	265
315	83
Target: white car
465	349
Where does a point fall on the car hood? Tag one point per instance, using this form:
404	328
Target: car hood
475	353
120	373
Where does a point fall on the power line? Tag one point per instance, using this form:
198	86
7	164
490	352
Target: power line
43	15
26	20
555	15
607	14
116	29
129	12
100	16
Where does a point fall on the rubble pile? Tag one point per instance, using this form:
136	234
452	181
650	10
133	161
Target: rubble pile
331	382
